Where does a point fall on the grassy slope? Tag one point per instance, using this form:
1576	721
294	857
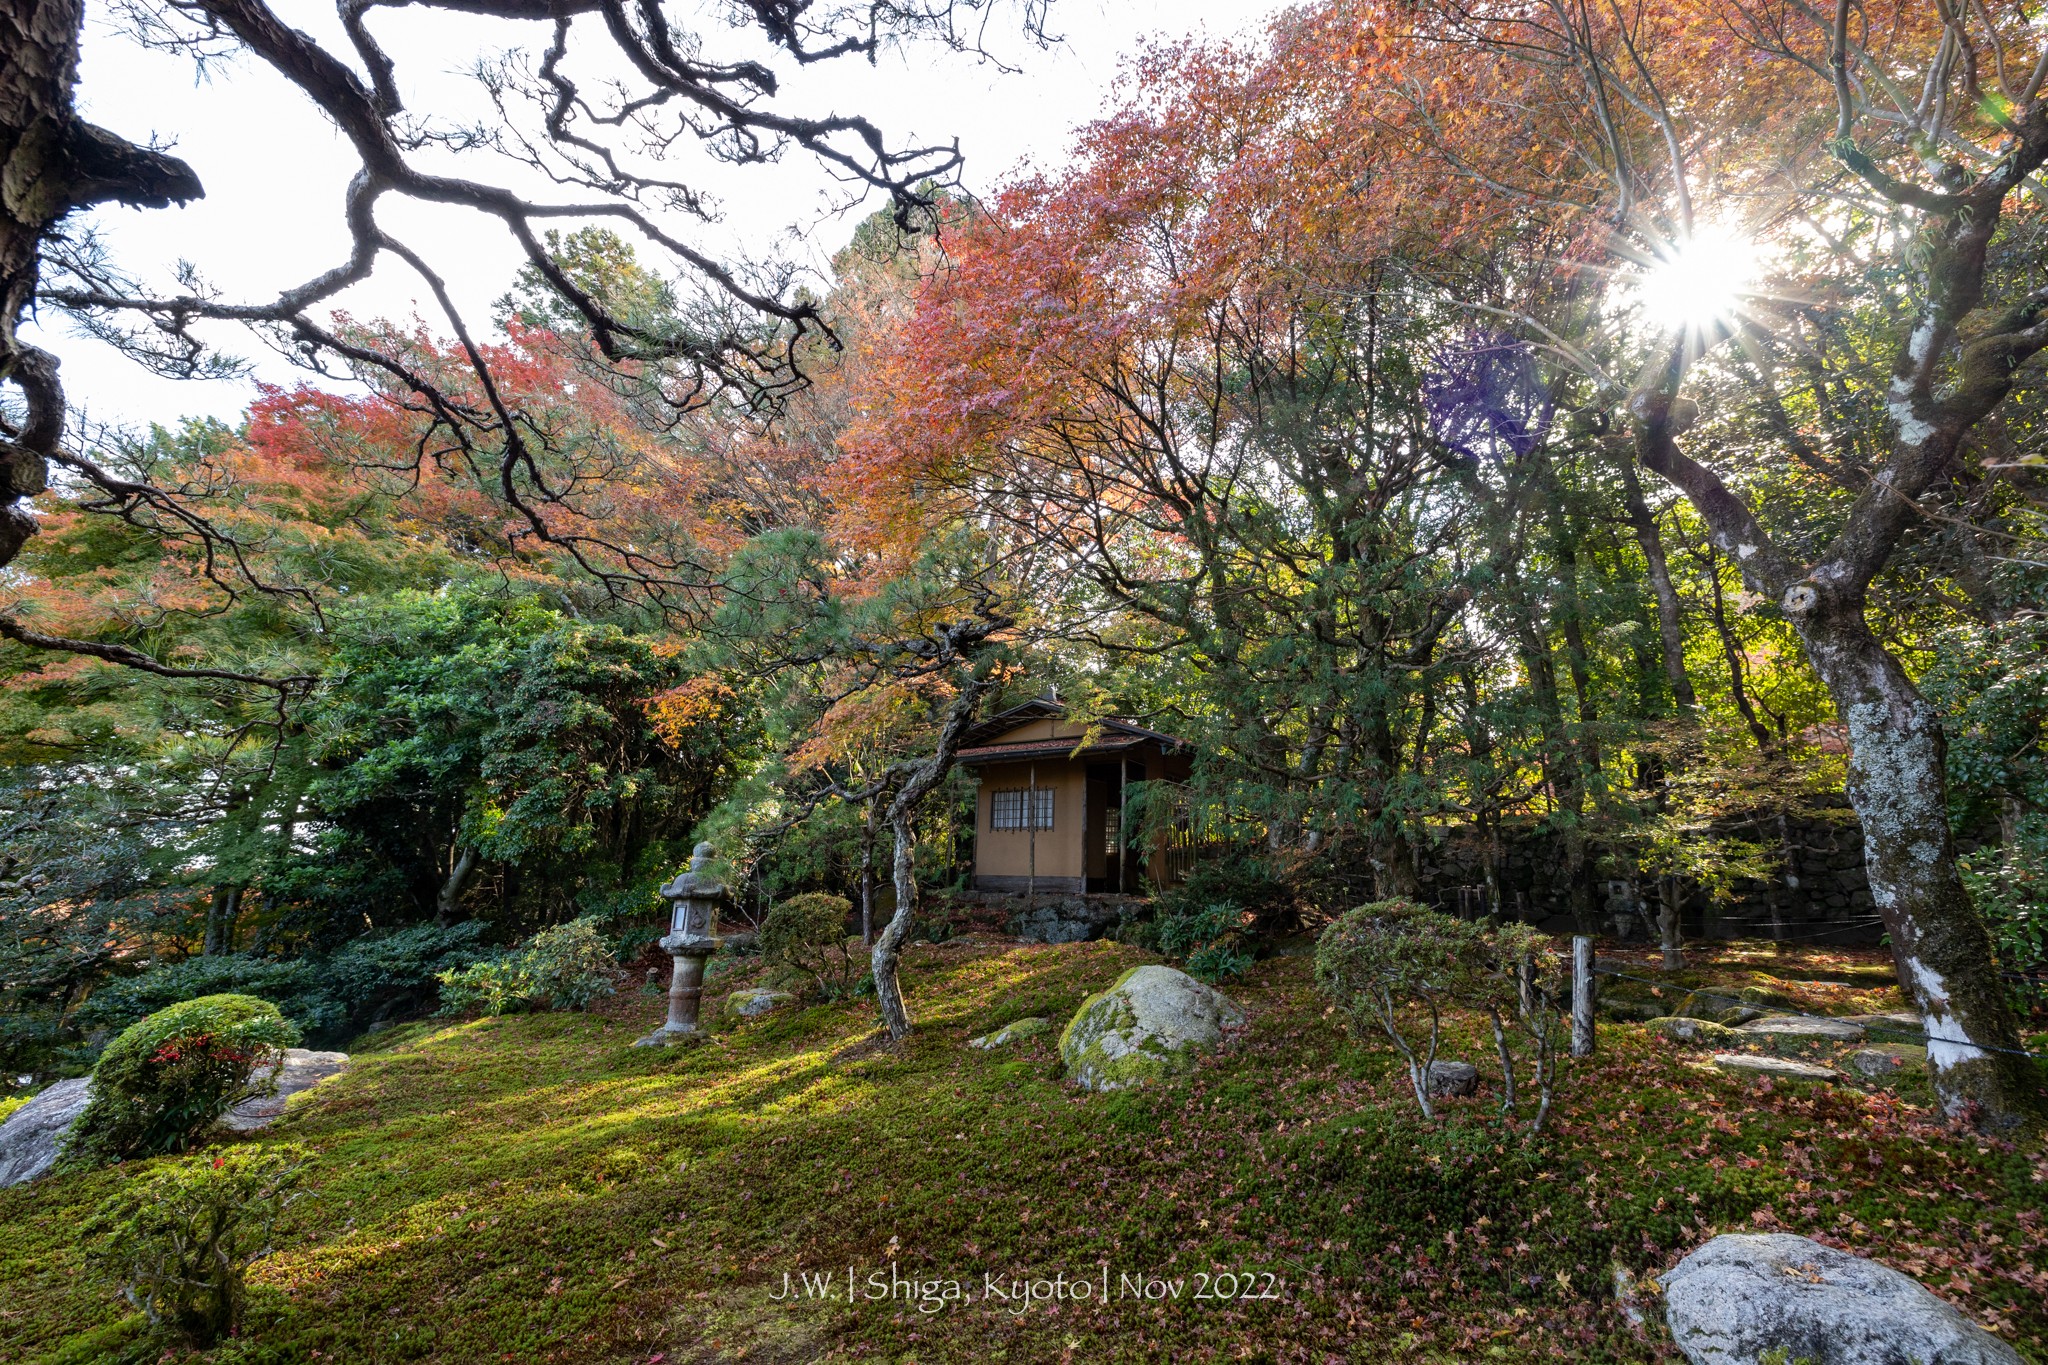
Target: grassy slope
531	1189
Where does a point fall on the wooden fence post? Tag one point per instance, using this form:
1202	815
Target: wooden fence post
1582	995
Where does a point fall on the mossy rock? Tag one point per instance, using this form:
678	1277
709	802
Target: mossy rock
1887	1063
1692	1032
1731	1005
1150	1025
1013	1032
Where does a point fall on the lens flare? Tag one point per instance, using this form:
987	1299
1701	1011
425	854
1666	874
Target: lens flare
1699	282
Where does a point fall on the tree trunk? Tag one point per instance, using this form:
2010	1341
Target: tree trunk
918	781
888	951
221	914
1670	897
51	162
1898	785
1670	627
448	901
867	874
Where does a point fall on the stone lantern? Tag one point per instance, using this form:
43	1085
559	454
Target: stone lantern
692	937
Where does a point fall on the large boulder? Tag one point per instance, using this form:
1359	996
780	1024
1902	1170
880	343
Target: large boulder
1147	1026
756	1001
1746	1298
29	1137
300	1069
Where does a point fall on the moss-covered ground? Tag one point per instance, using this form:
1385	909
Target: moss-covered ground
533	1189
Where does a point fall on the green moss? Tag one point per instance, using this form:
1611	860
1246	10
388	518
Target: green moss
533	1186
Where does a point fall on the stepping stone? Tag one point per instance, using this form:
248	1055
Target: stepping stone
1887	1061
1890	1026
1778	1068
1801	1028
1013	1032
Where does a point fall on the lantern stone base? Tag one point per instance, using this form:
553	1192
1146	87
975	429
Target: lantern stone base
685	990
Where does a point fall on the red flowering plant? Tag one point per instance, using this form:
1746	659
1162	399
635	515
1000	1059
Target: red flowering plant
166	1080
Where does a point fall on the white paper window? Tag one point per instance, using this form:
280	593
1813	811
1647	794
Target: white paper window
1006	808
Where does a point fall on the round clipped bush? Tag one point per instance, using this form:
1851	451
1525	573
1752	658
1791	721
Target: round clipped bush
165	1080
807	934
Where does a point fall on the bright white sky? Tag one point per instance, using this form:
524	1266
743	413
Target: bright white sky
274	169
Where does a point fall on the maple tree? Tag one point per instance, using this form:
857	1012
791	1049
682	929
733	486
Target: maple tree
1102	366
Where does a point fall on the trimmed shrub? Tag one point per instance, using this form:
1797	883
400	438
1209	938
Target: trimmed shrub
178	1244
166	1080
807	934
565	967
1393	967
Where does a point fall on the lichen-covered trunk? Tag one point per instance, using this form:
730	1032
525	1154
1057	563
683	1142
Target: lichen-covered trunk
1898	786
888	950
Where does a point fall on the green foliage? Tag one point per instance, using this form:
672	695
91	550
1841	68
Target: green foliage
366	981
178	1244
394	974
807	934
461	722
294	987
1210	941
1991	680
1212	920
2009	885
564	968
164	1081
1391	965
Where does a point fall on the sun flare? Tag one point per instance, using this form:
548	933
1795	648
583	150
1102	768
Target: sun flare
1695	283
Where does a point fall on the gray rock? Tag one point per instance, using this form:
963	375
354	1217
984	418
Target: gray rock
29	1137
1147	1026
1743	1298
1453	1078
1803	1028
1013	1032
1779	1068
756	1001
300	1070
1887	1061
